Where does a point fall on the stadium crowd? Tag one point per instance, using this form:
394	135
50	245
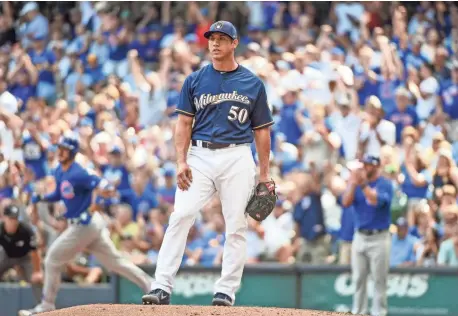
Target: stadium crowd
343	79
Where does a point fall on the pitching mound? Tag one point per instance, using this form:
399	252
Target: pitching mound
180	310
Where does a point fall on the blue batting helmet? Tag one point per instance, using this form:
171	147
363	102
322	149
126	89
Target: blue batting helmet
70	143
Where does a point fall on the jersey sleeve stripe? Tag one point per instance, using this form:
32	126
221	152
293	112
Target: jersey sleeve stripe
263	125
184	112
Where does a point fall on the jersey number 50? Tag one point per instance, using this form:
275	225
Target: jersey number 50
237	113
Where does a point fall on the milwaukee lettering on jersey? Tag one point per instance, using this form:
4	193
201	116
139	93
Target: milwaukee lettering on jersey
208	99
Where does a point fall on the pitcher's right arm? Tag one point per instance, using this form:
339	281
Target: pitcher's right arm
183	132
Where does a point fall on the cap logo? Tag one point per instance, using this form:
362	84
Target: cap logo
219	25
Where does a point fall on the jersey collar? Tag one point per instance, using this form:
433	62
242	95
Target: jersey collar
226	72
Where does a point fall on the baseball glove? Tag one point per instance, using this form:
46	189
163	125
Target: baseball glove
262	202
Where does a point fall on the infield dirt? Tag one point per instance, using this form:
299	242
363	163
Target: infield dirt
181	310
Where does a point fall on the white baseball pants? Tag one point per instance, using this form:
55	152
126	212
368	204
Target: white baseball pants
231	172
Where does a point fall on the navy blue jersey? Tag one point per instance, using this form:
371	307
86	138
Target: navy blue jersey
74	186
227	106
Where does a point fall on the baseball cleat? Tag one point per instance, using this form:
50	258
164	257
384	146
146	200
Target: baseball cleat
221	299
40	308
156	297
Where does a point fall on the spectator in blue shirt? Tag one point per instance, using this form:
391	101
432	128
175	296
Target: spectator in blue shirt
371	195
173	95
403	115
36	26
94	70
449	97
44	60
313	243
214	239
402	46
80	42
23	80
148	50
388	84
415	178
140	196
117	38
289	124
35	149
173	32
413	57
99	48
194	247
116	172
448	256
76	83
402	245
166	193
366	82
155	37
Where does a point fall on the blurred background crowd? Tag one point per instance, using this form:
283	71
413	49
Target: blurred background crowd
343	79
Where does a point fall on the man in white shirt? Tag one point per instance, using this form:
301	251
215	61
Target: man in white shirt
8	108
347	126
151	90
278	232
427	101
375	131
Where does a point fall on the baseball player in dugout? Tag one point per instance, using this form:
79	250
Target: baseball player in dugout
79	189
222	109
370	194
18	247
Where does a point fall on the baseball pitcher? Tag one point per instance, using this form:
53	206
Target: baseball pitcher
78	189
222	108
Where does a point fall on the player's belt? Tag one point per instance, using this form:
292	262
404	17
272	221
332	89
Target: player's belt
73	221
204	144
370	232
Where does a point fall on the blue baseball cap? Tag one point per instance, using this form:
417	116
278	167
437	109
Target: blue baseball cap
191	38
39	37
371	160
224	27
155	28
86	121
169	173
253	28
337	51
204	11
143	30
116	150
29	7
274	49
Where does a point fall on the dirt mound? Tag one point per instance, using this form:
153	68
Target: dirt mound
180	310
